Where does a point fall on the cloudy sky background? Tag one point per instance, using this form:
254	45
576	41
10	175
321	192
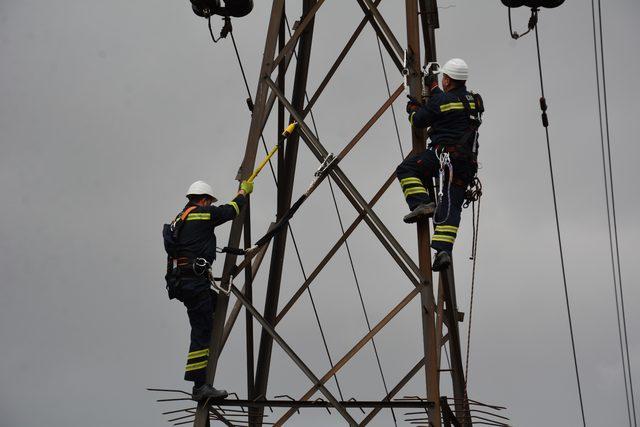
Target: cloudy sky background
108	110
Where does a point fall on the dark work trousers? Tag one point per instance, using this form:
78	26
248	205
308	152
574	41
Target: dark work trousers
200	300
417	170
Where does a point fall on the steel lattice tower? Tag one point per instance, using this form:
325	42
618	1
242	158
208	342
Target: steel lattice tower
435	315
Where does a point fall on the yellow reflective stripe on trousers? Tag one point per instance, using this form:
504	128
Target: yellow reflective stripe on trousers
414	190
199	216
443	238
410	180
196	366
411	118
235	206
449	228
456	106
199	353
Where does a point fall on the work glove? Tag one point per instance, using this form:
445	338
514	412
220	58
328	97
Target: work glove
247	187
413	105
431	79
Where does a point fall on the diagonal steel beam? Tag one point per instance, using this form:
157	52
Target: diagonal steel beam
261	93
337	246
362	132
235	311
359	203
289	351
288	48
393	391
381	26
342	154
338	62
333	251
349	355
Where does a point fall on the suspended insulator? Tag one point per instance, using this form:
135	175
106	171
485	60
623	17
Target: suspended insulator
234	8
238	8
533	3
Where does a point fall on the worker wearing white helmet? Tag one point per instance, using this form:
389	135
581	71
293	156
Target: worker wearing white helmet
190	242
452	115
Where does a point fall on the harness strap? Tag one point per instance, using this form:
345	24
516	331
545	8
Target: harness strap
186	212
176	225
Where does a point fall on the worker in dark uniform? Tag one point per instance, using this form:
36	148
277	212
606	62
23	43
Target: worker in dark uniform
190	243
453	115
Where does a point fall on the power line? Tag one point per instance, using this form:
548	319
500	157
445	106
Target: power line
555	208
609	225
613	209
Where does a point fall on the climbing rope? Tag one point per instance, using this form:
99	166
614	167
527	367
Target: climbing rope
545	123
476	195
610	206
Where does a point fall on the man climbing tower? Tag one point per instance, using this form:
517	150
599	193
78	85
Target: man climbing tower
190	243
453	116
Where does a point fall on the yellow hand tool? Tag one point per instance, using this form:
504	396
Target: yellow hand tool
288	131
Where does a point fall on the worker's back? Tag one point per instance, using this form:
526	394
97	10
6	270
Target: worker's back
446	113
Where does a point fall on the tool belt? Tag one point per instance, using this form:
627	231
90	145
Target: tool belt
186	267
183	268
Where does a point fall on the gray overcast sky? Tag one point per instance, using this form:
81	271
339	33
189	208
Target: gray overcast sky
108	110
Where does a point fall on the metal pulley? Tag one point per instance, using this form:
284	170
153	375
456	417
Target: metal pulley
533	3
233	8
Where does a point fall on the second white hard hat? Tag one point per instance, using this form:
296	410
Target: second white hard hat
455	68
201	188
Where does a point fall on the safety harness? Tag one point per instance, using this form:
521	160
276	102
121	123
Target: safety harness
467	144
182	267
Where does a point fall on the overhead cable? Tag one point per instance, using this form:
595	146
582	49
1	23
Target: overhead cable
545	123
611	214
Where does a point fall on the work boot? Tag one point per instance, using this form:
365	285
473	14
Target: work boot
422	211
442	261
207	391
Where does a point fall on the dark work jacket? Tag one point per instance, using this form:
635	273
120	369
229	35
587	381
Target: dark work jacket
445	113
197	237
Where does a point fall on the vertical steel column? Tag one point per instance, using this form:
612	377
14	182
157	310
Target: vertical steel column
286	174
248	292
430	21
424	252
277	252
457	372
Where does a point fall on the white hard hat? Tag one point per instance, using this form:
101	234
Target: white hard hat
455	68
201	188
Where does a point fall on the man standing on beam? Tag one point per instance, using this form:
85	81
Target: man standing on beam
453	116
190	243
